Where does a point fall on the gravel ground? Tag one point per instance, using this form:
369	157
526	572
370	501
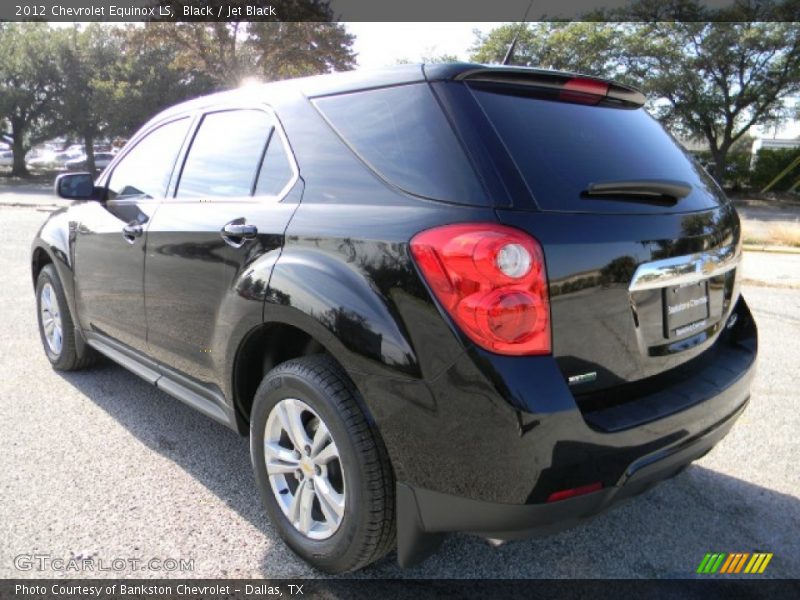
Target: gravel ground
100	464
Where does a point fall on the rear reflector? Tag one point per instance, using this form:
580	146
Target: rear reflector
572	492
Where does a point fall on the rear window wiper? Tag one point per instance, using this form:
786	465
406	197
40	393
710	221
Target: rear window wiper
654	191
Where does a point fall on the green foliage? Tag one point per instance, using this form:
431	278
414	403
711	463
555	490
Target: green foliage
716	79
737	169
30	86
770	162
591	48
297	49
229	53
148	79
87	60
104	81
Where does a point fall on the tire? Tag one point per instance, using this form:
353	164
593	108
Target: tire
361	471
66	355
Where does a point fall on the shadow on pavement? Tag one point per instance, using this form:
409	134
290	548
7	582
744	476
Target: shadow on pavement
663	533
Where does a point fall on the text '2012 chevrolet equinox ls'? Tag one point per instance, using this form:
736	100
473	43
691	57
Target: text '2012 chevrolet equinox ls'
448	298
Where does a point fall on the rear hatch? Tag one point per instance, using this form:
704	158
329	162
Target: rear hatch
641	245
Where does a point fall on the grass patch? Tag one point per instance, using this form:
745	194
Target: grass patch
780	234
786	234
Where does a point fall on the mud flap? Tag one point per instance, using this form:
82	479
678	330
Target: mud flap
414	544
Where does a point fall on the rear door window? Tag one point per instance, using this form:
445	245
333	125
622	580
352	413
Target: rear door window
560	148
225	155
403	135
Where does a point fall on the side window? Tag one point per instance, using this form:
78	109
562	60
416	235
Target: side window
145	170
403	135
225	154
276	170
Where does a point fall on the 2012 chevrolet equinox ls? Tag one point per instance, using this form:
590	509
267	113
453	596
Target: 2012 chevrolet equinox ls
437	298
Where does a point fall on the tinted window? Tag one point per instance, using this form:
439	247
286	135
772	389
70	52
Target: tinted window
403	135
146	169
225	153
560	148
276	170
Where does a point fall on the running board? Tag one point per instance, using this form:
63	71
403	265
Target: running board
209	403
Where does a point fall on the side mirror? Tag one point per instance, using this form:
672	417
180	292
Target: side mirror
75	186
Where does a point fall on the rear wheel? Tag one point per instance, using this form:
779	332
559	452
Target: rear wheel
321	467
56	327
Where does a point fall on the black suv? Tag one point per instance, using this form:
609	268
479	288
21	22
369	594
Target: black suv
437	298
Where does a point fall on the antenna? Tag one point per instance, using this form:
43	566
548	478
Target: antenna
513	46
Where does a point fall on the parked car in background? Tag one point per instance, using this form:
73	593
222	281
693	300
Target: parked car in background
450	298
52	160
6	158
101	161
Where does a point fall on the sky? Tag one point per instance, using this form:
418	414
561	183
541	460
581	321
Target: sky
381	44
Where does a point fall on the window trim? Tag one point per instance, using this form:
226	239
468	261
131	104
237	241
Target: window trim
108	172
252	197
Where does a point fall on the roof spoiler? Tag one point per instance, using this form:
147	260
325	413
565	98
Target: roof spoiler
572	87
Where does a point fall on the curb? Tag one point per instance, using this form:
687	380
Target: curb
772	249
30	205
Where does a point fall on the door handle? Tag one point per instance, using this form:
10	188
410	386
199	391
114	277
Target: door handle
237	232
131	231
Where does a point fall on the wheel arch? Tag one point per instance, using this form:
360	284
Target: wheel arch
43	254
39	258
269	345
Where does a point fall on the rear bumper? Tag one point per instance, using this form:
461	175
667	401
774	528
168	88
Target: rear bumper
505	445
425	515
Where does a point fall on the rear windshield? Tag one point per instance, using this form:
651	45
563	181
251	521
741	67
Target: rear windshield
403	135
560	148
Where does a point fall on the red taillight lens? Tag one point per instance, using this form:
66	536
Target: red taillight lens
583	91
572	492
491	280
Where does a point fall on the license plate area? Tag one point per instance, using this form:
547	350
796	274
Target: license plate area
686	308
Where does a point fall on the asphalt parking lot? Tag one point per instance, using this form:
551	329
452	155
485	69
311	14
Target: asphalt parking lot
100	464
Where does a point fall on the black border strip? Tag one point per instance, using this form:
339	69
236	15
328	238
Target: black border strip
708	588
396	10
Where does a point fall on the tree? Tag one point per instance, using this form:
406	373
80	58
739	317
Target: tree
148	79
297	49
714	80
30	86
231	52
591	48
88	64
115	78
304	42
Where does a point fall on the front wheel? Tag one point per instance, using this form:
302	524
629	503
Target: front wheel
56	327
321	467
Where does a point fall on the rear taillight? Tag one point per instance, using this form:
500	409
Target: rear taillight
491	280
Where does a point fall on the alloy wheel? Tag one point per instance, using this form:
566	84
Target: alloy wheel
304	468
51	319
